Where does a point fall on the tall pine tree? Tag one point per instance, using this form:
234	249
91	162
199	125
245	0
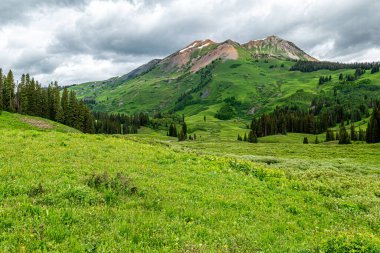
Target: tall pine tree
373	129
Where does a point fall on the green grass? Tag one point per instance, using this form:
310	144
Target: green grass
72	192
20	122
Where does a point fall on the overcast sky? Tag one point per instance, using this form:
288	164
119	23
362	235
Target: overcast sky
73	41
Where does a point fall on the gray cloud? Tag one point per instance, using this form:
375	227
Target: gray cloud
16	11
102	38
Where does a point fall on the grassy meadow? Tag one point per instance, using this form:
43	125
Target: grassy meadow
63	191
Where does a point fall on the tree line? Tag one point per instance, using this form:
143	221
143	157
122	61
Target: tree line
283	121
309	66
30	98
119	123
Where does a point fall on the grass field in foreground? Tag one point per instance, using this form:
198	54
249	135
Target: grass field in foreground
71	192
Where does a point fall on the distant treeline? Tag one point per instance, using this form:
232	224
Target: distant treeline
286	119
308	66
30	98
346	102
119	123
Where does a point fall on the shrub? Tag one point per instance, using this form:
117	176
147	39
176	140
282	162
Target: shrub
119	184
226	112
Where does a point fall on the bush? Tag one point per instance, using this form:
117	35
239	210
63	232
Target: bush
226	112
119	184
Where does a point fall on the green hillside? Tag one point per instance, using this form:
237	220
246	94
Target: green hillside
92	193
258	84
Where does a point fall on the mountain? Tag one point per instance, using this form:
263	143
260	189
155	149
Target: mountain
276	47
252	78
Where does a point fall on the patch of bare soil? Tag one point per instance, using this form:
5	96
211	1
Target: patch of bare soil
37	123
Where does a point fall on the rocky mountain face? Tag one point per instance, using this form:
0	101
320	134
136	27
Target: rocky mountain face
275	47
201	53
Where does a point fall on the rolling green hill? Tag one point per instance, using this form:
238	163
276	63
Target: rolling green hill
197	79
64	191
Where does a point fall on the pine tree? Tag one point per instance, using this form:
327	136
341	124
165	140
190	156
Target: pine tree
245	137
354	135
344	137
9	92
88	121
373	129
184	127
252	138
65	104
72	109
181	135
44	103
172	130
330	135
316	140
305	140
23	95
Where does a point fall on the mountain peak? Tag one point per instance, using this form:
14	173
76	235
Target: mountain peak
276	47
197	44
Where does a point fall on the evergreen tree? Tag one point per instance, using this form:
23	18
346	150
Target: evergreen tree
9	92
65	103
55	104
88	121
239	138
316	140
373	129
344	137
305	140
252	138
330	135
354	135
181	135
72	109
172	130
184	127
23	95
245	137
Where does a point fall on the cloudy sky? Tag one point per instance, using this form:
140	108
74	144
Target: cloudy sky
73	41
